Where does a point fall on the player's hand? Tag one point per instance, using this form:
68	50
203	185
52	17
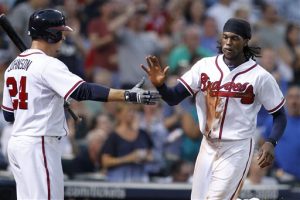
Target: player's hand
266	155
156	73
138	95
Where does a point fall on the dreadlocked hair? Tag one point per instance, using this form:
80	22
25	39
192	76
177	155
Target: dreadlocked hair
249	52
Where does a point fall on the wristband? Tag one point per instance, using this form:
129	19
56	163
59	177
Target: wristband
130	96
126	95
273	141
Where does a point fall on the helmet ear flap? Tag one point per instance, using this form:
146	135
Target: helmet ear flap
53	36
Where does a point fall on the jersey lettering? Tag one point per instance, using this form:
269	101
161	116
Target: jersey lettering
20	64
12	85
244	91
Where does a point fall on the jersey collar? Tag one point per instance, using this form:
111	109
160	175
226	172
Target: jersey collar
30	52
241	67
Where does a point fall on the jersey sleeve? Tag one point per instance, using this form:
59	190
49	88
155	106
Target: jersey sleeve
58	77
6	101
270	94
190	79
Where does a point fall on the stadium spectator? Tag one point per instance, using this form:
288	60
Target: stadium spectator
224	7
157	18
100	76
127	149
288	9
159	21
181	171
101	30
80	129
287	159
19	15
242	12
288	51
272	64
195	12
176	9
269	23
151	120
5	52
258	177
73	50
5	6
134	44
183	139
5	135
87	149
182	55
192	137
209	35
296	69
3	161
87	159
103	122
276	67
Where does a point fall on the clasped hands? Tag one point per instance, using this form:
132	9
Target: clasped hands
156	75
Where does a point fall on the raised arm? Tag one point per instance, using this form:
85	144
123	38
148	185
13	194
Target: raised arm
157	75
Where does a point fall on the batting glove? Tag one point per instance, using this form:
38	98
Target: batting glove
140	96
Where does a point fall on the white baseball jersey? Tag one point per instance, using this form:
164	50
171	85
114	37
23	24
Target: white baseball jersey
227	105
228	101
35	88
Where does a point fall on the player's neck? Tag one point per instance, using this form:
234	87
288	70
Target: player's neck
41	45
234	62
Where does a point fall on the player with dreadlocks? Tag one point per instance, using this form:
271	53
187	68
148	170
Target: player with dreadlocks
229	90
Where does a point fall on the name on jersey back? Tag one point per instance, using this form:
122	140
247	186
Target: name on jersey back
20	64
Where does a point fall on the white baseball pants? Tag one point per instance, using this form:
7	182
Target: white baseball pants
220	168
36	166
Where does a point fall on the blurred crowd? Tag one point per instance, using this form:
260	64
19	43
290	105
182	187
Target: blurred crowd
159	143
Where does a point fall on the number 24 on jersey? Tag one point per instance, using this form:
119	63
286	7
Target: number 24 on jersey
19	101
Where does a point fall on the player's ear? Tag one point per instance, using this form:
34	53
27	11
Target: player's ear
246	42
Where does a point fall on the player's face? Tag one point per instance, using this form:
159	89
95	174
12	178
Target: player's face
232	45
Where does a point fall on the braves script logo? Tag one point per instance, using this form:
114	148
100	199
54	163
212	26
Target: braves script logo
244	91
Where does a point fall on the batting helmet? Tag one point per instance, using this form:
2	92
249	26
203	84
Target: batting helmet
48	25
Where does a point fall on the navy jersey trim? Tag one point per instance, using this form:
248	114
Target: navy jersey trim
46	167
24	55
244	173
73	88
189	89
277	107
7	109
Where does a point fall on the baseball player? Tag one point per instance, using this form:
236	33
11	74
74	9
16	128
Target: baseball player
229	90
36	85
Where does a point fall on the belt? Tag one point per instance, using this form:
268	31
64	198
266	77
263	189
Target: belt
58	137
